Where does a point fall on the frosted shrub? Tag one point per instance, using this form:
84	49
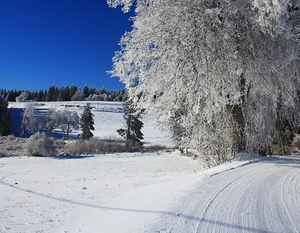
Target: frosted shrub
86	147
296	143
39	145
76	148
96	146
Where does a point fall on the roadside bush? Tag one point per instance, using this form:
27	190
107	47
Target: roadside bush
155	147
11	146
60	147
96	146
296	144
39	145
86	147
274	148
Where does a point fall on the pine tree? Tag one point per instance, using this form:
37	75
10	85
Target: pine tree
87	123
86	91
50	94
5	117
132	134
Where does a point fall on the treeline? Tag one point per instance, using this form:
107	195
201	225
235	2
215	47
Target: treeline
64	93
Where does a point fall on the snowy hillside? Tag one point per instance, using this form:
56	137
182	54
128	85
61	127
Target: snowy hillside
146	192
108	117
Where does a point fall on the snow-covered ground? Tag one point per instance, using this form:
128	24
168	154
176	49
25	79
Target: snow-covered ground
148	192
261	197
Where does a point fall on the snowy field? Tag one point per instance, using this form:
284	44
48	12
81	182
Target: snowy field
148	192
108	118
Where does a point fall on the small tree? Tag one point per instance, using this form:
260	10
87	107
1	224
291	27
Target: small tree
29	122
78	96
66	120
132	133
87	123
47	122
23	97
5	117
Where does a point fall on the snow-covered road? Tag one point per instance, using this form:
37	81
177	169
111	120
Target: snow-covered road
262	197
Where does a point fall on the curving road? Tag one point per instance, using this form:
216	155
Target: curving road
261	197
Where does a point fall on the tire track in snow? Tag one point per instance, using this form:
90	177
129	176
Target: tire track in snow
288	187
260	197
227	212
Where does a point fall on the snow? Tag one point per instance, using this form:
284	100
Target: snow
258	197
148	192
102	193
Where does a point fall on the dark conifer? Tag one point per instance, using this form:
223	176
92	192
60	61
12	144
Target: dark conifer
132	133
87	123
5	117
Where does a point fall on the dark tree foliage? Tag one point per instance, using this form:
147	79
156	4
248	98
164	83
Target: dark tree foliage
72	91
87	123
86	91
132	133
65	93
5	117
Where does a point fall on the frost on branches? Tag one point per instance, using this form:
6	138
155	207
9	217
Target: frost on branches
211	72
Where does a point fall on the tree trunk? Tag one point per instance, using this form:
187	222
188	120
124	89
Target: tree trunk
238	129
68	131
238	121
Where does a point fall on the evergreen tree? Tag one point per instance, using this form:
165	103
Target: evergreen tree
86	91
63	93
5	117
132	134
87	123
40	97
50	94
73	90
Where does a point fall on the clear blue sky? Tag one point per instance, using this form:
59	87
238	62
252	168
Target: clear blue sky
59	42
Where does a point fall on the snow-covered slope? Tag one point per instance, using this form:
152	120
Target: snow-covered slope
147	192
108	117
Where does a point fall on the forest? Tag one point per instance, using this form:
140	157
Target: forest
63	93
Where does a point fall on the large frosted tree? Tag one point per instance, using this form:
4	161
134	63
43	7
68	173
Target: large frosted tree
211	72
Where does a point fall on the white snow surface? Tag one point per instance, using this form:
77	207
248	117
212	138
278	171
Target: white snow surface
148	192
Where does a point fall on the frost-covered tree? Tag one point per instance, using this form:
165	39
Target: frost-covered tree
23	97
78	96
87	123
211	71
46	121
29	121
66	121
